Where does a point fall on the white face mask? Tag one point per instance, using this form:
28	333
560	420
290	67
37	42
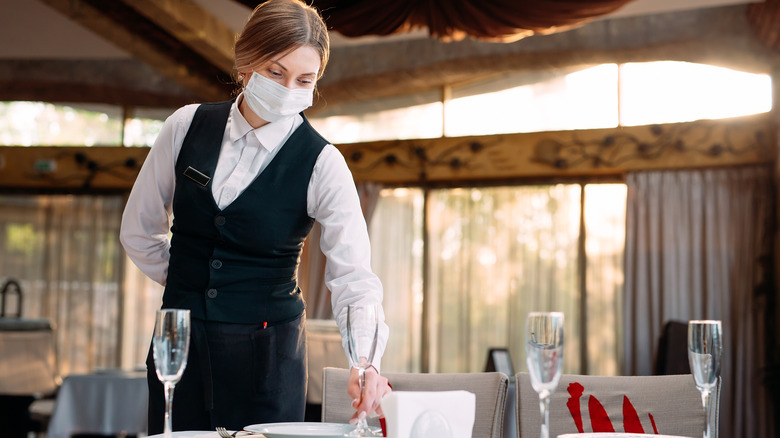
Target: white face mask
272	101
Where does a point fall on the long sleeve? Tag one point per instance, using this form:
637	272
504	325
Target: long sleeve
334	203
146	218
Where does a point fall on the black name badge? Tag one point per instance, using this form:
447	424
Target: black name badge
197	176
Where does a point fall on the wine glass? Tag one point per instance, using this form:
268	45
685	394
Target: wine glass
171	345
362	330
544	356
704	350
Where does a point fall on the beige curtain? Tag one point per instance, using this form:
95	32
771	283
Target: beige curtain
396	231
495	254
697	243
65	252
311	271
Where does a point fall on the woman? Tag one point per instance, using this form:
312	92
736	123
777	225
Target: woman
244	181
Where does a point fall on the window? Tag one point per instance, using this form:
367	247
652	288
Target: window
46	124
64	251
555	101
412	116
666	92
591	97
493	255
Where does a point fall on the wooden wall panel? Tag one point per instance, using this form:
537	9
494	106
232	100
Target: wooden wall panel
561	154
70	169
597	152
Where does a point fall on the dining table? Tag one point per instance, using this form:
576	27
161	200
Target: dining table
106	402
190	434
28	370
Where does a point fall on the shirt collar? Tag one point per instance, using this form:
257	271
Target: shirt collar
269	135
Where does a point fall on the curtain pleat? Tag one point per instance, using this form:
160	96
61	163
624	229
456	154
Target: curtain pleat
311	273
65	252
697	243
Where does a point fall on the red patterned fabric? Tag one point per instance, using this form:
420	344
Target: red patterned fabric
668	404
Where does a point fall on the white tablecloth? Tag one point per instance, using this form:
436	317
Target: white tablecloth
190	434
103	403
27	357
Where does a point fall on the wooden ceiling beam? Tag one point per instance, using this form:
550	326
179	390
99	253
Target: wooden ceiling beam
65	92
192	25
121	82
132	32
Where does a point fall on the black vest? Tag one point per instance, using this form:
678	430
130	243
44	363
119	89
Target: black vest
239	264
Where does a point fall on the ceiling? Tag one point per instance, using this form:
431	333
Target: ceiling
164	53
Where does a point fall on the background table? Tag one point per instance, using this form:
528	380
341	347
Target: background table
28	371
110	402
27	357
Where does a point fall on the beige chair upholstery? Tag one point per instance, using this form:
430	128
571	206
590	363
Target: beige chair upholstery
667	405
323	349
489	388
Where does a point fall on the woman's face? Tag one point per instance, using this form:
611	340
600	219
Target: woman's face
296	69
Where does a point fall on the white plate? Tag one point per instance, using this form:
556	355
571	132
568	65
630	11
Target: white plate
295	430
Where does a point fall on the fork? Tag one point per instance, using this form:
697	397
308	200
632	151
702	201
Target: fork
223	433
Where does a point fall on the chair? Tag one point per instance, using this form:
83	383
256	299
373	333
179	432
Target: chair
666	405
672	357
323	344
489	389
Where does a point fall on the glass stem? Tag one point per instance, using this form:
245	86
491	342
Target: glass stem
544	408
705	401
362	423
168	428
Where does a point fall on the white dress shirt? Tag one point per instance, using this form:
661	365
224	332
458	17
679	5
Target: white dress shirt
332	201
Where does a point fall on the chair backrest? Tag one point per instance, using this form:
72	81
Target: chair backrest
666	405
672	357
489	388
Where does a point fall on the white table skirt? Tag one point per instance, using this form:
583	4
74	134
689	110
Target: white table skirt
104	403
27	357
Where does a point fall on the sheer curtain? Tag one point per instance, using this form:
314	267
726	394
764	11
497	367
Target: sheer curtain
497	253
397	258
696	247
65	252
312	268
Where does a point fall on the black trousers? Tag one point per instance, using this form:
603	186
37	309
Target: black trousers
236	375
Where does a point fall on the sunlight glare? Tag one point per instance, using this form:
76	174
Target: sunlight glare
670	91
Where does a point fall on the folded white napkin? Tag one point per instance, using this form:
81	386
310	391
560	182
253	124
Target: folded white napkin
429	412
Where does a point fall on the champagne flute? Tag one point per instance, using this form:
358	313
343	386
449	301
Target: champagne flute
171	345
362	330
544	356
704	351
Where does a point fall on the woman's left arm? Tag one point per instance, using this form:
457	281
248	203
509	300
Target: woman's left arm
334	203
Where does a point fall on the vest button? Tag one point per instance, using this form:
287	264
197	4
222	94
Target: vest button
220	220
216	264
212	293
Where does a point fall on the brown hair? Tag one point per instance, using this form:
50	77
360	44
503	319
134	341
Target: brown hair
277	27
